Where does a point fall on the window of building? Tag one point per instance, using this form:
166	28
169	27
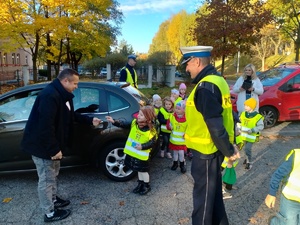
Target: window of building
5	58
13	59
18	59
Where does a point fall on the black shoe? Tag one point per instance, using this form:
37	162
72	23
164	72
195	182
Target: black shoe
139	187
182	167
145	189
175	165
245	161
60	203
59	214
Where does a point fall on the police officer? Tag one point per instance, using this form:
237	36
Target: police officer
128	73
211	137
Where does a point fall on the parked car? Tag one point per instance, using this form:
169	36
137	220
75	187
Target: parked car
103	72
280	100
101	146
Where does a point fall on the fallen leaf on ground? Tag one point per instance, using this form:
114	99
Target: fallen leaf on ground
182	221
121	203
253	220
6	200
84	202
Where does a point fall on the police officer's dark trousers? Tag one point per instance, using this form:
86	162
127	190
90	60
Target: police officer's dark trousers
207	193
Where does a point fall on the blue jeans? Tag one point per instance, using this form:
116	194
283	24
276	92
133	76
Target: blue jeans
288	213
47	171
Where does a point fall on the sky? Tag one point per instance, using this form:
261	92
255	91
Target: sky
142	19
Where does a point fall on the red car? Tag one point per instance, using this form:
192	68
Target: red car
281	98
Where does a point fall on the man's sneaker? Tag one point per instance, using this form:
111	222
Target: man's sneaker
60	203
226	195
248	166
59	214
169	156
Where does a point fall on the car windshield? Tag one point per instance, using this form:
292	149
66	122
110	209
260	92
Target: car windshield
139	96
273	76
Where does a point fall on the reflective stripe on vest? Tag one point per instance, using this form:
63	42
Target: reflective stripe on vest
292	188
247	124
136	136
129	77
166	115
197	135
178	131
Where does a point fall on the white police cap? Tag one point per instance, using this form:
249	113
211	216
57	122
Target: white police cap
195	51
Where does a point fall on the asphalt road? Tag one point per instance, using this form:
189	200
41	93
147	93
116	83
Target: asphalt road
97	200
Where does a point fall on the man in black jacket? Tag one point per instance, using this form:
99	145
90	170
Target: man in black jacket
211	137
46	136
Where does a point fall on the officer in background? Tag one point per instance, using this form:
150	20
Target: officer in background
211	137
128	73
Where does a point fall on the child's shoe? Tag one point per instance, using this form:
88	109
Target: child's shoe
226	195
169	156
248	166
162	154
182	167
175	165
145	189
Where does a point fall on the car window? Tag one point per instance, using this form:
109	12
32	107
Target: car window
86	100
18	106
116	102
272	76
294	83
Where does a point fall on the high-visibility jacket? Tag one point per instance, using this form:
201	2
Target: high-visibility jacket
197	135
132	82
247	124
166	115
137	136
178	130
292	188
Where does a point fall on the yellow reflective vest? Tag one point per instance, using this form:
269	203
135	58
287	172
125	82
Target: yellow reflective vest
292	188
247	124
197	135
178	130
129	77
136	136
166	115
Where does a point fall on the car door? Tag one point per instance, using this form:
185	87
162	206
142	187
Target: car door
14	112
290	95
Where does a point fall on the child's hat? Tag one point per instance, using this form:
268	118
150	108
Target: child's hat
156	97
251	102
175	91
182	86
181	104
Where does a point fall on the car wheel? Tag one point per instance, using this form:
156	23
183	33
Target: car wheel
112	163
270	115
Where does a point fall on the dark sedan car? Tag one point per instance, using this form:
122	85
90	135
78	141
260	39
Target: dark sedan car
101	146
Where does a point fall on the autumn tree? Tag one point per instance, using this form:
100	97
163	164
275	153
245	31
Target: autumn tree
66	30
230	26
287	17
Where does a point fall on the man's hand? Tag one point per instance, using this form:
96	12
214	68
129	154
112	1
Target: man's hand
236	154
270	201
58	156
96	121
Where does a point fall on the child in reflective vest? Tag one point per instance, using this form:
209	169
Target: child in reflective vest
177	124
289	173
142	138
250	128
163	116
156	102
